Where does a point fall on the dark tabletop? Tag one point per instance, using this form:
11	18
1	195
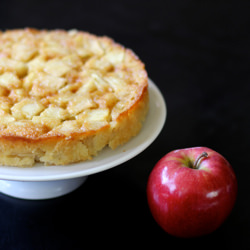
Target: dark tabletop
197	53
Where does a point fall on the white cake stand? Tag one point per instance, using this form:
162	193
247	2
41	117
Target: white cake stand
45	182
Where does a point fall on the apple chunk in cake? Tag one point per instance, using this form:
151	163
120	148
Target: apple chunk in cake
65	95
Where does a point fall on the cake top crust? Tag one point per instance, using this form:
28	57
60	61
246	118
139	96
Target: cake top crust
60	83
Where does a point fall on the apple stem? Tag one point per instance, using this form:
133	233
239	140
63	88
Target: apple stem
199	158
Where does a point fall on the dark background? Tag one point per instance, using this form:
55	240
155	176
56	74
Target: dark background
197	53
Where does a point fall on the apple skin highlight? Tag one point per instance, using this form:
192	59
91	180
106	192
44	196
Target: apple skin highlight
187	201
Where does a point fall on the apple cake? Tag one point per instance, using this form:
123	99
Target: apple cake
65	95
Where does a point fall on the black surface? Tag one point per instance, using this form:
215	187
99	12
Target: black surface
197	52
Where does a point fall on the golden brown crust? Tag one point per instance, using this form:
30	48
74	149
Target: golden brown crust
64	95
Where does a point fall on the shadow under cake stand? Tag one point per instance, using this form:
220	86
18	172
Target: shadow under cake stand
45	182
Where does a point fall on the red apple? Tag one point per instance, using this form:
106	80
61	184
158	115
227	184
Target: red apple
191	191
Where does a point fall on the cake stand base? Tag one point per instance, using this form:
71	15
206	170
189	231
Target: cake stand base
40	190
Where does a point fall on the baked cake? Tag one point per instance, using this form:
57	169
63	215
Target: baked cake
65	95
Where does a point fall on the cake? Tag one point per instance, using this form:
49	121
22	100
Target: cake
65	95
